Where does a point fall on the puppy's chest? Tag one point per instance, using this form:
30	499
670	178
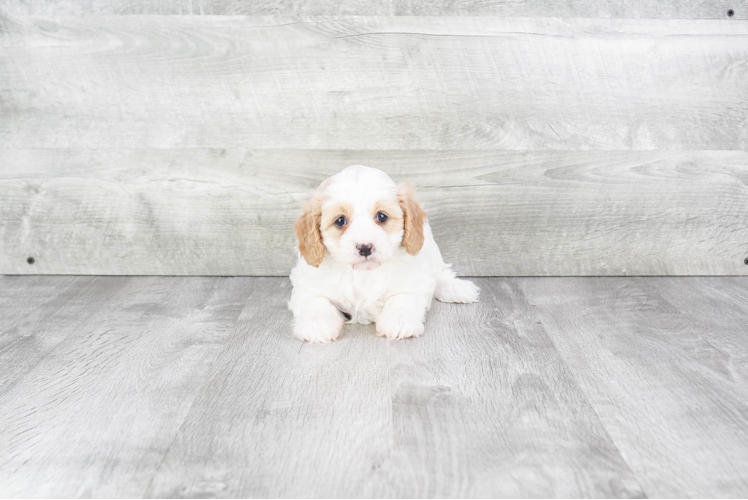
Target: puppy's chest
360	297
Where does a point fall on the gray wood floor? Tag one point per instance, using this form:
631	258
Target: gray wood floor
194	387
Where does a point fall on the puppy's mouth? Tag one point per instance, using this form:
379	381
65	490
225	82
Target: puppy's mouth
366	259
366	265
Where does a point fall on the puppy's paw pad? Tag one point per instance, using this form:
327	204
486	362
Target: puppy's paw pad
394	327
457	291
317	331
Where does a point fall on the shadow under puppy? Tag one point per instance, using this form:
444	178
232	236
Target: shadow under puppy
367	254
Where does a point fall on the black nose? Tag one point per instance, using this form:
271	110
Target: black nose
364	250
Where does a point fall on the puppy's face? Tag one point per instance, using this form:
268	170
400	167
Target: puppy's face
360	217
362	233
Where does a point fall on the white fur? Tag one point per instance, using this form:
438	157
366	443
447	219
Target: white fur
390	287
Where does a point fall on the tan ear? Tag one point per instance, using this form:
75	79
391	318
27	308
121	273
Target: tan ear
413	219
307	228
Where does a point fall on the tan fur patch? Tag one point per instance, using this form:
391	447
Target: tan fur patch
332	213
414	219
394	213
307	228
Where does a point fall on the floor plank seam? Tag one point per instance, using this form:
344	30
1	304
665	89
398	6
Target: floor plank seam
581	389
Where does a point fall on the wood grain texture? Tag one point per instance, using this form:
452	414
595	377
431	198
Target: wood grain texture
669	9
412	82
282	419
552	387
63	302
673	402
483	406
723	298
194	387
96	415
231	212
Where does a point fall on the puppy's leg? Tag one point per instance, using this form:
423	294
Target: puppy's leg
316	319
402	316
449	288
455	290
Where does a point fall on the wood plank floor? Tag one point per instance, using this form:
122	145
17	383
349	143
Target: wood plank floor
194	387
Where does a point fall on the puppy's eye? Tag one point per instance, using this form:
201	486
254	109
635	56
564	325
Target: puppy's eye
382	218
341	222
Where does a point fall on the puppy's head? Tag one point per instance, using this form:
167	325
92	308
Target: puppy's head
361	218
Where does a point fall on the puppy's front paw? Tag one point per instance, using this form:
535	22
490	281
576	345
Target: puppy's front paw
317	330
396	326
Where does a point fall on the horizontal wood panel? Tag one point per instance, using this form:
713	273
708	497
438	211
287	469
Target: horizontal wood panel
231	211
373	83
667	9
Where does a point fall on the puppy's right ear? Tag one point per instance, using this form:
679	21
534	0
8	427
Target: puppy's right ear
307	229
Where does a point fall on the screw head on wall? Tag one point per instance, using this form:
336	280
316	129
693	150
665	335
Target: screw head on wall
30	260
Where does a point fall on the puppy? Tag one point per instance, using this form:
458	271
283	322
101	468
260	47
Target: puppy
366	254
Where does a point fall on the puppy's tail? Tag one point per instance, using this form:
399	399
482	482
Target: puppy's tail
449	288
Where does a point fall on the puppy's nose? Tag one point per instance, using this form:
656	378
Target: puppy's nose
364	250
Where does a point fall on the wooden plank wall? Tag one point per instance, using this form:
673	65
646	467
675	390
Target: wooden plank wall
544	138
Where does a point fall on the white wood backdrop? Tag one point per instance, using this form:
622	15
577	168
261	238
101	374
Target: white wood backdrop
664	9
609	140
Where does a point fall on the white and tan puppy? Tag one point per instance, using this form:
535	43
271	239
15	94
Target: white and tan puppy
366	254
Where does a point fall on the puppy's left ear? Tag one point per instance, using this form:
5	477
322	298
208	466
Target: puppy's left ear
413	219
